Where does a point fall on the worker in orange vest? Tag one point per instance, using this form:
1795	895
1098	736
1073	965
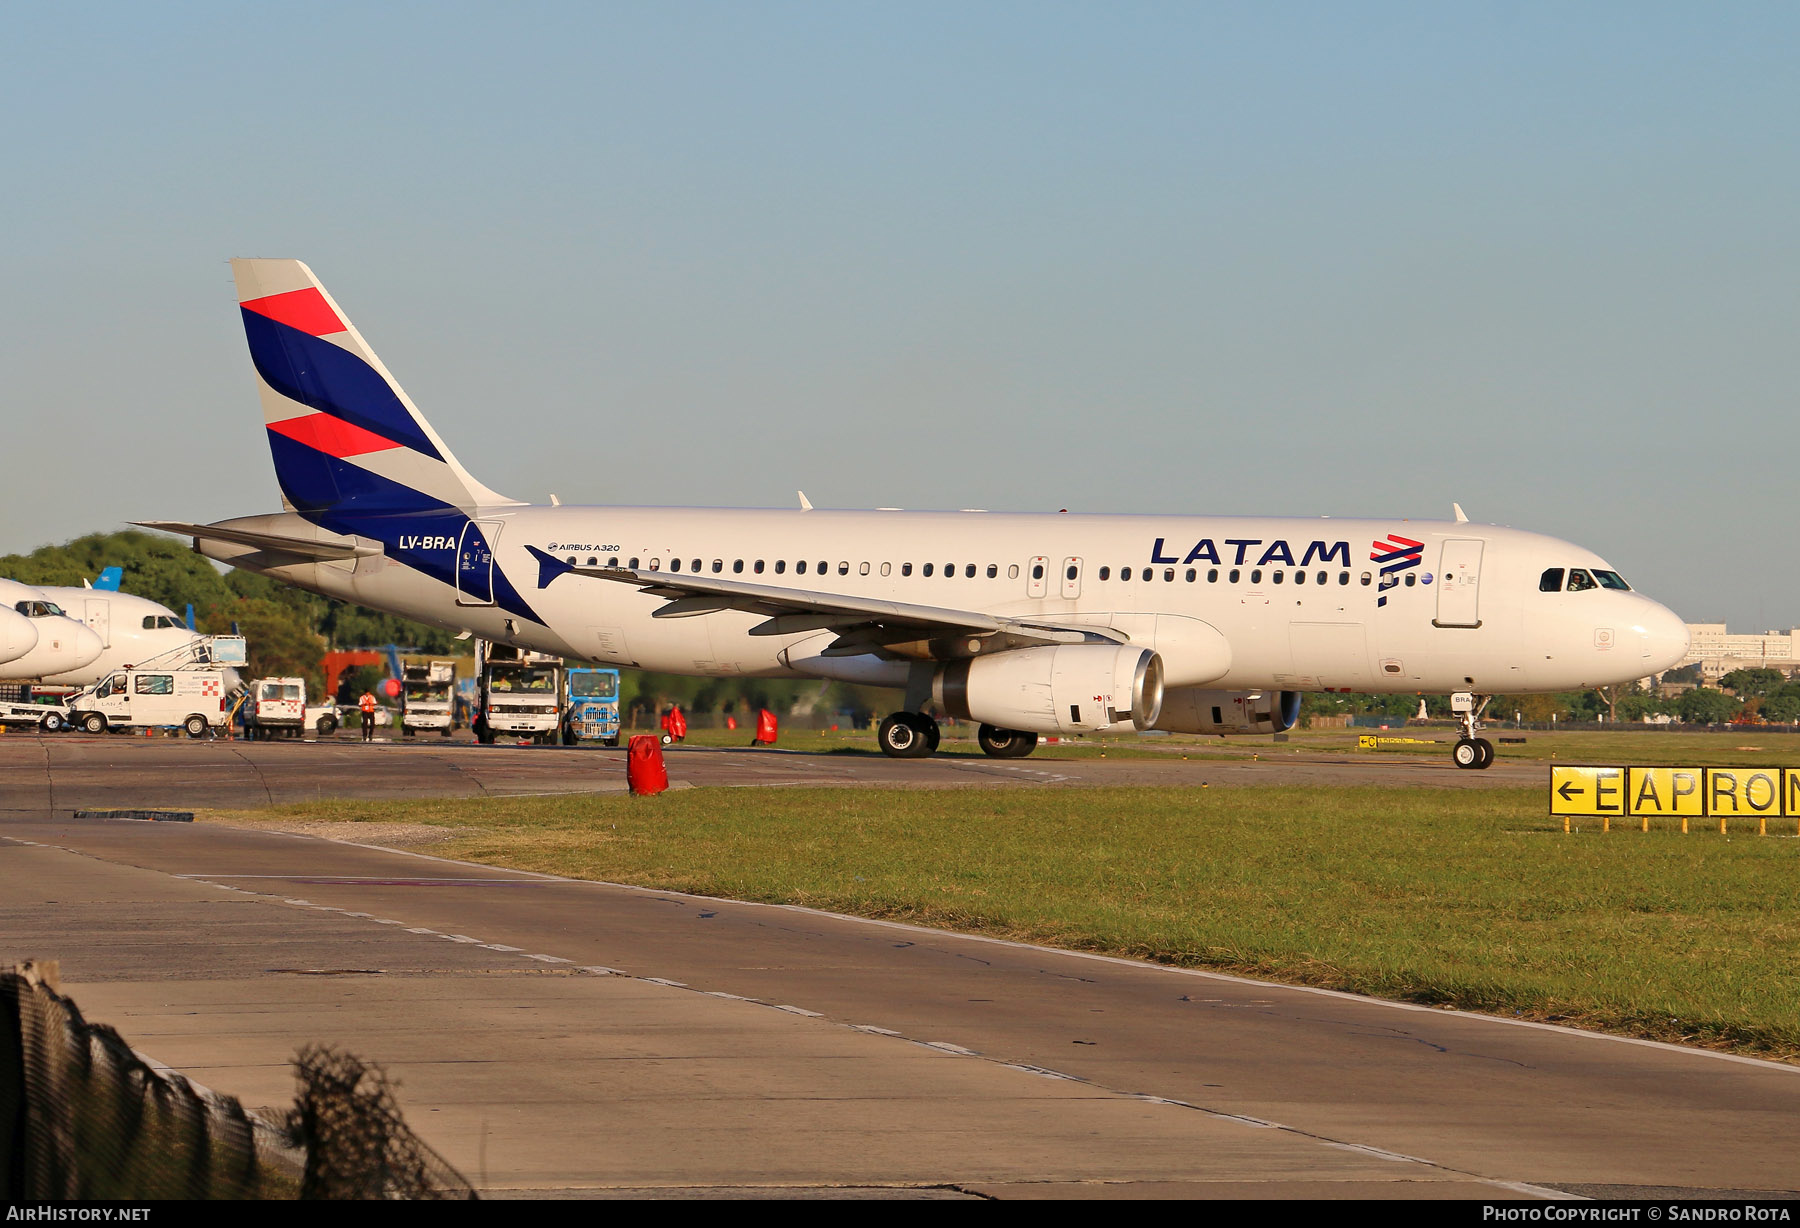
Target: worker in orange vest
367	704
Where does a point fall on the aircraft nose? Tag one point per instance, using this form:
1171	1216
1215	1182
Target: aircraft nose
87	646
17	635
1665	639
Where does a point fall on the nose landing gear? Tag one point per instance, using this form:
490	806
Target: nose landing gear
1471	752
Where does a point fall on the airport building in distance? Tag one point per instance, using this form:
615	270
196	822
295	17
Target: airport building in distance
1720	652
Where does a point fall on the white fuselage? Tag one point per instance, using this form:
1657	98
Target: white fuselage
1193	580
131	631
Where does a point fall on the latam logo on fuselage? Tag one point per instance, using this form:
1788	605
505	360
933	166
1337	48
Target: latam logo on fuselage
417	542
1242	549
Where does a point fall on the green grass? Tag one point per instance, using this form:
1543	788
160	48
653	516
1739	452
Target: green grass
1474	900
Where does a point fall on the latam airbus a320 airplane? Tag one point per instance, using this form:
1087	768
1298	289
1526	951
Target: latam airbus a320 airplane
1027	624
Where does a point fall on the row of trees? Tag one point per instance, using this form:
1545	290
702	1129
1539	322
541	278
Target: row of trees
288	630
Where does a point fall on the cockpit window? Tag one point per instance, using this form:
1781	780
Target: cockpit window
1551	581
39	609
1580	581
1612	579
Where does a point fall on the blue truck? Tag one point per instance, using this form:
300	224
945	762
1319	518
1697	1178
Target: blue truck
592	713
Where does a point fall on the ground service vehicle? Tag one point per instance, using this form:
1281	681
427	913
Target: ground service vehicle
425	698
518	693
592	714
155	696
323	718
276	708
45	715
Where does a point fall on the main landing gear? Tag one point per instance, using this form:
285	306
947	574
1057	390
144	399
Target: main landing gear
1470	751
913	735
907	735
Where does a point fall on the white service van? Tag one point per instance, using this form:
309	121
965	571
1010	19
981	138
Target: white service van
276	708
147	698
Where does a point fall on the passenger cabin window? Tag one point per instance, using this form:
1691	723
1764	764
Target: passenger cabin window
969	572
1580	581
674	564
1276	576
844	568
1212	575
994	571
1106	573
906	569
696	566
759	567
632	564
926	570
1168	575
1012	572
1124	573
1037	571
780	566
824	567
737	567
718	566
1256	576
1343	577
1365	579
799	568
1233	577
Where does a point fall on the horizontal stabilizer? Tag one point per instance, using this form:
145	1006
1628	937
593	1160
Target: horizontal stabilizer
312	548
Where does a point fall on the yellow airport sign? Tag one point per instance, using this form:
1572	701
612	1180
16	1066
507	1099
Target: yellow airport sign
1726	794
1587	792
1666	792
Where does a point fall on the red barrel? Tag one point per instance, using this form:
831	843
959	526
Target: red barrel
677	724
645	771
765	727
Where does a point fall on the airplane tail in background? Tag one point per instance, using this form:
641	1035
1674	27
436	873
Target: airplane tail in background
344	435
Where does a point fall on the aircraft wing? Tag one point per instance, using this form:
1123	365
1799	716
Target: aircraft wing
312	548
864	624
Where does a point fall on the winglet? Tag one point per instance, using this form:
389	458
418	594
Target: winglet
549	566
1461	517
805	503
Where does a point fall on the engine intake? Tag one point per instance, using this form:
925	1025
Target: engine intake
1064	688
1191	710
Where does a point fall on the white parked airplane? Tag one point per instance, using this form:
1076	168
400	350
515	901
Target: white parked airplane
131	630
1027	624
57	643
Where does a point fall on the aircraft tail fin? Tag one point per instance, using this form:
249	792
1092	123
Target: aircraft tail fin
343	433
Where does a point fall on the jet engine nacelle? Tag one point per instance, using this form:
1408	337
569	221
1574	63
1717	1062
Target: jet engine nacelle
1191	710
17	635
1063	688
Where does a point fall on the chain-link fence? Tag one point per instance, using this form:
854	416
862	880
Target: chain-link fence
84	1116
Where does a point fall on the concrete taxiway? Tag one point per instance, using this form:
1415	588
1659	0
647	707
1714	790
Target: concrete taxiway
563	1037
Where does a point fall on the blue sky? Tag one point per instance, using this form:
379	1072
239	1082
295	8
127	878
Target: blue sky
1260	258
